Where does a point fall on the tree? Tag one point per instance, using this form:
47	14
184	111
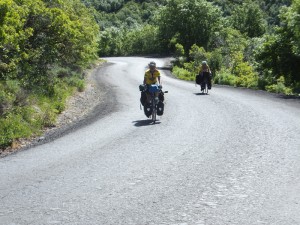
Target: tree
272	8
191	22
35	36
291	19
111	42
279	54
249	19
227	41
12	38
142	40
197	54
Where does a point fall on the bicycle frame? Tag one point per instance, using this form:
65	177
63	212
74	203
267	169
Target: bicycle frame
153	89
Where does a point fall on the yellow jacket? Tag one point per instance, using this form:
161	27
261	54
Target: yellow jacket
151	78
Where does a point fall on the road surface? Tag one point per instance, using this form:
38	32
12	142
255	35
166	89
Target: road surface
230	157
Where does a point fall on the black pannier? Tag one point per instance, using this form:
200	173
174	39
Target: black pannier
143	98
147	109
160	108
199	79
161	96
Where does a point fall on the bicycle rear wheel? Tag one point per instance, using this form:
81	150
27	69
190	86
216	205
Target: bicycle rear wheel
206	88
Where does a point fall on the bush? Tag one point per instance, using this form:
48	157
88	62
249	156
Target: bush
248	81
11	95
183	73
24	120
224	77
76	81
279	87
179	62
13	127
80	85
48	111
5	102
246	76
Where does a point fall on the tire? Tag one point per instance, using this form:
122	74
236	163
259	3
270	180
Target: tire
153	111
206	89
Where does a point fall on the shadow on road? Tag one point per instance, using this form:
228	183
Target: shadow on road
141	123
200	94
164	68
288	96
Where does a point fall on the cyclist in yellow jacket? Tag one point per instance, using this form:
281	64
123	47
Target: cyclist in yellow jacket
152	75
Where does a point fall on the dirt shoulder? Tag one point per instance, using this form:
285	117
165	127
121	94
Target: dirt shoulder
81	109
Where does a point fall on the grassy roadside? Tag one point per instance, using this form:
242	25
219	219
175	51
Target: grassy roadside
25	113
247	79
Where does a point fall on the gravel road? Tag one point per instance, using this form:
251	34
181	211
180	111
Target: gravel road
230	157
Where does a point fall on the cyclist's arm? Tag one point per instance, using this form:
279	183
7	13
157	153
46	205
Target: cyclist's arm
145	78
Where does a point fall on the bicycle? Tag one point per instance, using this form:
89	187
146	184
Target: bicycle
204	86
155	104
204	82
153	89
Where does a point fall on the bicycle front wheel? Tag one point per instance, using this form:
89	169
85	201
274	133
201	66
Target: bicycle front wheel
153	111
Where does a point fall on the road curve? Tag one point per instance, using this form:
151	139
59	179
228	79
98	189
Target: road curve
230	157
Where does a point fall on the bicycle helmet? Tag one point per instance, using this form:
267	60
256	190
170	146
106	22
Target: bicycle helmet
204	63
152	64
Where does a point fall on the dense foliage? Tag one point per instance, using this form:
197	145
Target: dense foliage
279	55
37	36
43	47
247	43
188	23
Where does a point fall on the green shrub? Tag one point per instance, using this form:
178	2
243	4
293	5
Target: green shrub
179	61
246	76
225	78
215	61
11	95
183	73
23	115
80	85
279	87
13	86
13	127
192	67
49	118
198	54
63	72
76	81
48	112
5	102
248	81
